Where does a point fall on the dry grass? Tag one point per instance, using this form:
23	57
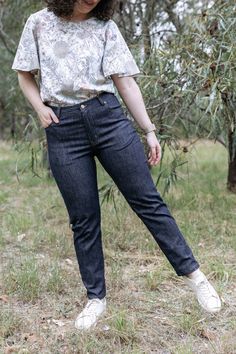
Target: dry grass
149	308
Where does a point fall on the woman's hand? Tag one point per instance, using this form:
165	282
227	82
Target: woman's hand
46	116
154	155
31	90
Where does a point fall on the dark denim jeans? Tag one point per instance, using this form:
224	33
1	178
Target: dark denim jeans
98	127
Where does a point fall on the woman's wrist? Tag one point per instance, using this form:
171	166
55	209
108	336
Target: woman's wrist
150	133
39	107
150	129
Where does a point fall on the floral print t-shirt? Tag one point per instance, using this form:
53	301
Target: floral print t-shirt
74	61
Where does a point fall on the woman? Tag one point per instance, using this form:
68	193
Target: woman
78	53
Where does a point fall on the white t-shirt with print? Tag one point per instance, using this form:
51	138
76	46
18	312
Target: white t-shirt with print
73	60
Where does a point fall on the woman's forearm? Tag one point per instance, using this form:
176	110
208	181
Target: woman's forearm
30	89
132	97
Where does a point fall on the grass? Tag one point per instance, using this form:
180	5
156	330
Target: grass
150	310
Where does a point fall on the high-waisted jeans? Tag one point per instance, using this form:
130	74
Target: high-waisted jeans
98	127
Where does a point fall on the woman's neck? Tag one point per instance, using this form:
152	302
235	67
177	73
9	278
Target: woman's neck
79	17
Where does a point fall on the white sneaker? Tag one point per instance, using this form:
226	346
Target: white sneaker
206	294
89	316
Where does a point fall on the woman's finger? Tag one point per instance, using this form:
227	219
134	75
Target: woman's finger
159	150
152	155
54	117
158	159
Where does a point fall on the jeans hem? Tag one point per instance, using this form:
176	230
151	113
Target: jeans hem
181	274
100	297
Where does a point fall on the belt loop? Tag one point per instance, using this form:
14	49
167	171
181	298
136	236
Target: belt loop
100	99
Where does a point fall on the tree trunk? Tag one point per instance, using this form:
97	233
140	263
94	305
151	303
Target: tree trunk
231	182
148	20
2	121
147	40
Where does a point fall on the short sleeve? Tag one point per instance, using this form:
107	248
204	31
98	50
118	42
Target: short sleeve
27	58
117	58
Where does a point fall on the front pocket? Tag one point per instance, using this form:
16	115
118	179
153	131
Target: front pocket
113	103
115	107
51	124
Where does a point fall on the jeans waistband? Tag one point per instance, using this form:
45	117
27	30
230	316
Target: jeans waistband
101	98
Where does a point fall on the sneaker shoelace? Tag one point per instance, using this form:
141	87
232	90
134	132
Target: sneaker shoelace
90	307
203	286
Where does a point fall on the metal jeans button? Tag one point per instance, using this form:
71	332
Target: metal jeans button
82	106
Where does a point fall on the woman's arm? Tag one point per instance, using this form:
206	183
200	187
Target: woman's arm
30	90
132	97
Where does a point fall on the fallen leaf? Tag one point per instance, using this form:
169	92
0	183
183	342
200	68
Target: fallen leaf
69	261
12	349
201	244
30	337
58	322
4	298
40	255
223	300
20	237
106	328
205	333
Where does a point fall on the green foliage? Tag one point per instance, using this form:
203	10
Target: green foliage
16	110
189	80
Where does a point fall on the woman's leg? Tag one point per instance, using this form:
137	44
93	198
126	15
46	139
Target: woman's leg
127	165
74	169
121	153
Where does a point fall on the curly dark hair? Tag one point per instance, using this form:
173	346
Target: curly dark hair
64	8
